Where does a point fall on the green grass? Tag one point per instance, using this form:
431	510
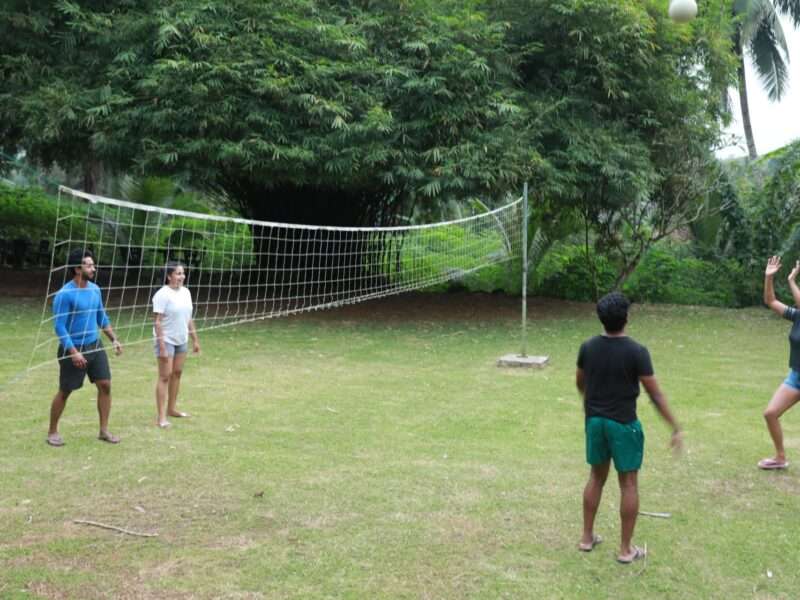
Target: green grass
358	455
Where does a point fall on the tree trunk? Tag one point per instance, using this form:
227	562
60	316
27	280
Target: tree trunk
590	258
748	128
91	175
627	271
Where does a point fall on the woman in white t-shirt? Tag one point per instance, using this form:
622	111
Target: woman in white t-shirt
173	326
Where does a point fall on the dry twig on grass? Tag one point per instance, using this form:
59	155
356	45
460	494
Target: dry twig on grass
113	528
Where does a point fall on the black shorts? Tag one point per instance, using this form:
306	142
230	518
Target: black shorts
71	377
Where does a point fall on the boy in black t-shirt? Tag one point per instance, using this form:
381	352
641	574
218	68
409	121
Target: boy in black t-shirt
610	368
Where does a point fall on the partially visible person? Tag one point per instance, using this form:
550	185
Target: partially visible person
610	368
172	328
788	392
78	313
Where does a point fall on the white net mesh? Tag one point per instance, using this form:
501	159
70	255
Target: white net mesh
240	270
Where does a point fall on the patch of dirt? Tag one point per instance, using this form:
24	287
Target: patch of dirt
41	589
23	284
128	588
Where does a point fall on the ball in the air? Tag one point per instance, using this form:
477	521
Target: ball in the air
682	11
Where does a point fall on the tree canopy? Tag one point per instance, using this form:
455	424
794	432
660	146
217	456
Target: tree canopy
349	111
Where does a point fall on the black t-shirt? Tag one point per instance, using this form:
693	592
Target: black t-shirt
793	315
612	367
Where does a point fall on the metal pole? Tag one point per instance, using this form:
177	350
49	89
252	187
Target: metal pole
524	270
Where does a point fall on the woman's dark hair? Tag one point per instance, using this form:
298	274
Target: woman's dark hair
612	309
170	267
76	256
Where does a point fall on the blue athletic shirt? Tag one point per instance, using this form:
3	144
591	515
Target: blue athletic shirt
78	313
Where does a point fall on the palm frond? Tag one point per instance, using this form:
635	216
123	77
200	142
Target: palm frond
753	14
154	191
790	8
770	56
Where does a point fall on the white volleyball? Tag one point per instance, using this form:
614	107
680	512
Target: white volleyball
682	11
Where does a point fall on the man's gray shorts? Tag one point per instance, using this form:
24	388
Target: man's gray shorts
97	368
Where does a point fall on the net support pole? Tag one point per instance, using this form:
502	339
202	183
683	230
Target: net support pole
522	359
524	351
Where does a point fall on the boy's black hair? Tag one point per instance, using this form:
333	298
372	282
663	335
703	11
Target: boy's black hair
612	309
76	256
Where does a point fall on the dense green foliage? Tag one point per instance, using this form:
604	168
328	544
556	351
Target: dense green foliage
671	275
721	261
633	122
26	213
289	106
352	111
31	214
362	112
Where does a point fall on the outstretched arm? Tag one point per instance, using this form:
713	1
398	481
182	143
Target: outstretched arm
773	266
650	384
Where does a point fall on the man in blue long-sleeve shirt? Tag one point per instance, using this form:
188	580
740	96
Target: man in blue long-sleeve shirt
78	311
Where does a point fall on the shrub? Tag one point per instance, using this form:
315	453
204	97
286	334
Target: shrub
565	273
27	213
668	275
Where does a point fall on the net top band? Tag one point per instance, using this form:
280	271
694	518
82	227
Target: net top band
95	199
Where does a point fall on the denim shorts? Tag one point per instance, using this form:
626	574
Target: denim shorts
172	349
793	379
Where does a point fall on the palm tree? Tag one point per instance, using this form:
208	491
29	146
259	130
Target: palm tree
759	32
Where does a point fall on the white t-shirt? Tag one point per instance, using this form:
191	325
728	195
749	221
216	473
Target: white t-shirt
175	308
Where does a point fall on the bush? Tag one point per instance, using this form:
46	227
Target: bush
667	275
27	213
565	273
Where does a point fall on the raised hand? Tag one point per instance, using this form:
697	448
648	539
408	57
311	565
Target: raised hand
795	271
773	266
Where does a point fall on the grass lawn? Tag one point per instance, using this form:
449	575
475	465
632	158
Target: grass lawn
374	453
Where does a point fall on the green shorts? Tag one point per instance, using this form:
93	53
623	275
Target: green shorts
607	439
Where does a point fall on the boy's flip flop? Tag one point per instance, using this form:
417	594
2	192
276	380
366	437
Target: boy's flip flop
638	553
596	539
107	437
770	464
